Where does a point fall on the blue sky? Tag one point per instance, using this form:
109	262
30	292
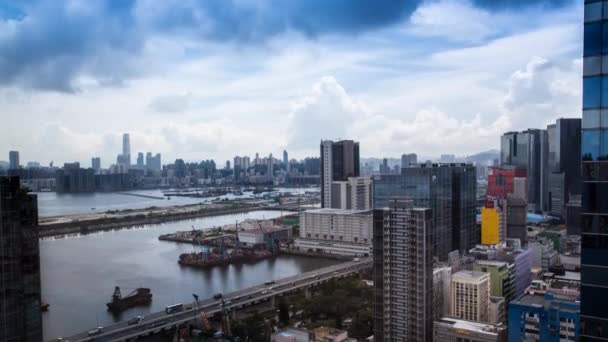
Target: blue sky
218	78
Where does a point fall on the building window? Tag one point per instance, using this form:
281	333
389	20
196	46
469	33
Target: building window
590	144
593	38
592	87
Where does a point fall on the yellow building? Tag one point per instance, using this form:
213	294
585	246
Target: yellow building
490	226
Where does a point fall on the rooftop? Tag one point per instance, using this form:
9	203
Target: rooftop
469	275
333	211
491	263
470	326
546	301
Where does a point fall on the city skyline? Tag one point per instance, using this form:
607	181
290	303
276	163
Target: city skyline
197	105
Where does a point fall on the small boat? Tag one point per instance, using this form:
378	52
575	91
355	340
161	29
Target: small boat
141	296
44	307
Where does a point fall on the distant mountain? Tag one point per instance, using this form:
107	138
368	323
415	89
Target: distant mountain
483	158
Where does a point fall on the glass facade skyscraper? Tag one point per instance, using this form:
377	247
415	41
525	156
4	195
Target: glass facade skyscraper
594	146
449	190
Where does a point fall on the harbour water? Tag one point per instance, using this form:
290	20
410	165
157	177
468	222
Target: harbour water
79	272
54	204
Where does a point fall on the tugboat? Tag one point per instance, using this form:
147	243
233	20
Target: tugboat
141	296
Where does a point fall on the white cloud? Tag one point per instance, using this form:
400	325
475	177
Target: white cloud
456	20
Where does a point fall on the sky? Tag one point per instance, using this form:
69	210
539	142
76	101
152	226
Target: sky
217	78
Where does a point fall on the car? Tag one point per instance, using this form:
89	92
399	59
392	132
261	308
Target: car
293	283
271	288
270	282
236	298
228	302
264	292
249	297
95	331
135	320
218	296
356	259
316	276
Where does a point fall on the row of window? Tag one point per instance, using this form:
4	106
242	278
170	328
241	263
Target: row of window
594	145
595	118
595	11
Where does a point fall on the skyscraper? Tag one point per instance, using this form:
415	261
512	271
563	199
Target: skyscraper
125	157
285	158
20	317
563	172
339	160
96	164
13	160
403	272
449	190
594	149
408	159
527	150
140	161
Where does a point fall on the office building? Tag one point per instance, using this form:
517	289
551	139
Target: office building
470	299
126	149
543	253
13	160
285	159
140	161
563	172
339	161
403	273
409	159
456	330
354	193
497	310
544	317
153	163
502	277
335	231
527	150
516	218
573	215
442	290
20	317
96	164
449	190
594	149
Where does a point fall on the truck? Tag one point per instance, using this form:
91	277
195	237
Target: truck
174	308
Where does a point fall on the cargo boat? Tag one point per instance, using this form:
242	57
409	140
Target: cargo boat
140	296
208	260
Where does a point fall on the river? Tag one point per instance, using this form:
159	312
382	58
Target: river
54	204
79	273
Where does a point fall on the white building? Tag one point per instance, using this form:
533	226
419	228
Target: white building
354	193
470	299
335	231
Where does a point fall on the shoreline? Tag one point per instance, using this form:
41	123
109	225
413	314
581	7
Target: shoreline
76	226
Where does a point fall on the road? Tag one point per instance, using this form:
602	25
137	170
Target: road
159	320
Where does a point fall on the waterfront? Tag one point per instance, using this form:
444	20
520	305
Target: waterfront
54	204
79	273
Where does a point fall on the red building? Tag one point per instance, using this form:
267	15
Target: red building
500	181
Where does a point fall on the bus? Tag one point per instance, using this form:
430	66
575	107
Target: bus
174	308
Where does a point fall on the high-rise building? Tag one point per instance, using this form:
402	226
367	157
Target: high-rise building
594	150
404	298
285	158
470	298
270	167
516	218
449	190
153	163
13	160
442	290
408	159
96	163
20	317
563	172
527	150
501	181
491	226
140	161
126	149
339	161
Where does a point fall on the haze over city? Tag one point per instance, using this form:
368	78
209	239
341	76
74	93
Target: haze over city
198	80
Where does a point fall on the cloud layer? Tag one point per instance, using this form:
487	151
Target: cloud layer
213	79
